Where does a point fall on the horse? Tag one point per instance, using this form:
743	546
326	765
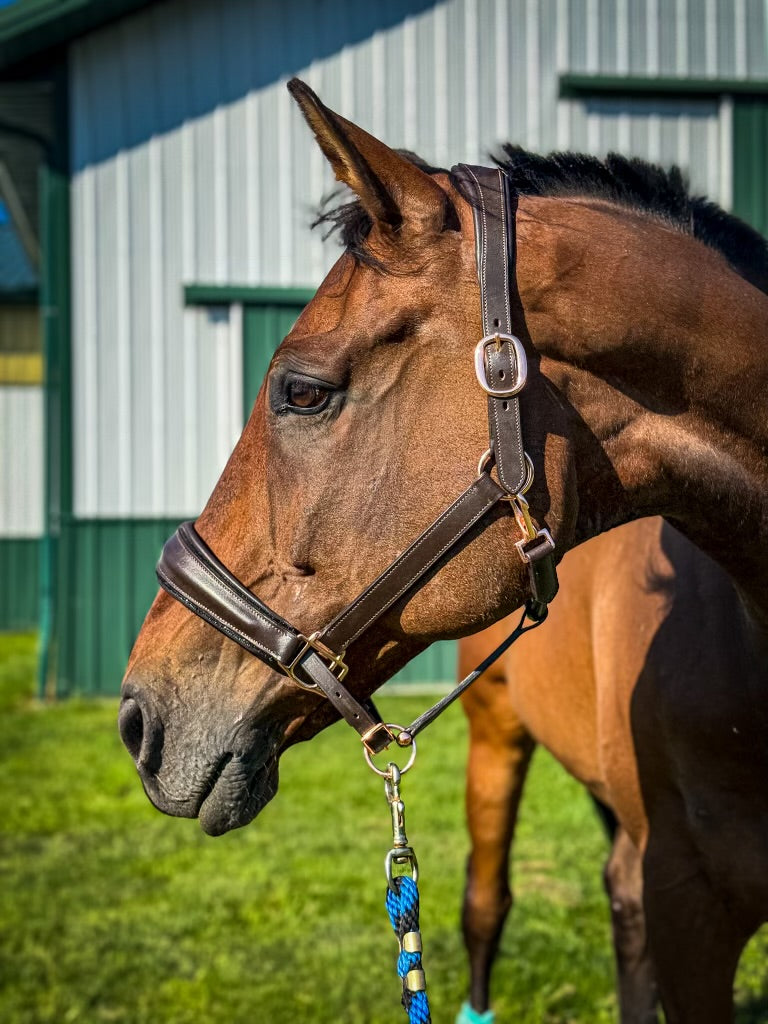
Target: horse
638	334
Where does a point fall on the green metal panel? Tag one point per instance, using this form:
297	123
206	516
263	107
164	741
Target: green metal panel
255	295
264	326
577	84
20	591
103	598
55	311
750	160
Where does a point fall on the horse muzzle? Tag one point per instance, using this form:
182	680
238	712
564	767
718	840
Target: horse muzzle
202	767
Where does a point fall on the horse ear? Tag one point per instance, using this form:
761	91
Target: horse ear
393	190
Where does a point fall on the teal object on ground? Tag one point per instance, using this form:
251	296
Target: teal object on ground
467	1015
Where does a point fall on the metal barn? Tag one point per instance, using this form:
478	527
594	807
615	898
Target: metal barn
174	187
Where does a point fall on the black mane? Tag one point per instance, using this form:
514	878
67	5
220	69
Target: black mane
630	182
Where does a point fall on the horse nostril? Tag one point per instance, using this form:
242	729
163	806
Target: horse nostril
130	722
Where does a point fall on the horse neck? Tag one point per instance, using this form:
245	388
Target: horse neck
660	349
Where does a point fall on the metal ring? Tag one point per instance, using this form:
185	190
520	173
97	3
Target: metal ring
485	458
409	763
529	471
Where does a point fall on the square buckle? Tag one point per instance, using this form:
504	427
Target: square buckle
336	664
377	738
531	549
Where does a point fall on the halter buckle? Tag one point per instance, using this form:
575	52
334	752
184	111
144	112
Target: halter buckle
521	365
336	664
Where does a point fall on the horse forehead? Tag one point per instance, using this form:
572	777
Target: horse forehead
326	310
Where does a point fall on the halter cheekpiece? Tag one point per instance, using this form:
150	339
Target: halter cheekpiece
191	572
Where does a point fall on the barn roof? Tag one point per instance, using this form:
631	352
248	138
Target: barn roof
29	28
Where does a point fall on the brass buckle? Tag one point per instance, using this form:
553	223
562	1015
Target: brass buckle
369	749
521	365
337	666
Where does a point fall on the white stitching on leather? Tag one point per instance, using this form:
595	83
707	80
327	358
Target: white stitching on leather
504	230
495	402
489	504
221	586
184	597
398	561
484	254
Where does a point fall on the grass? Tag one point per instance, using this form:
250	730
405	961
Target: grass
111	912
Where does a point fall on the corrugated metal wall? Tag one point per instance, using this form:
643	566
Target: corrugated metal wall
693	38
191	164
21	503
21	461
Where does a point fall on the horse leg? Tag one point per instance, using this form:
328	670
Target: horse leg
499	755
696	939
636	978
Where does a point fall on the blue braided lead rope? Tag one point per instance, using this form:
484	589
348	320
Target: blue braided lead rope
403	910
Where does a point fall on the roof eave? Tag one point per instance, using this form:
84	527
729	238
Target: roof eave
30	28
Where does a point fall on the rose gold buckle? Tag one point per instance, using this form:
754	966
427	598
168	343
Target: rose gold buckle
368	736
337	666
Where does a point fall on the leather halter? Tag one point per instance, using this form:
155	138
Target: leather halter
191	572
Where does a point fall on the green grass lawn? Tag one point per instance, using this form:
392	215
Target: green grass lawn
111	912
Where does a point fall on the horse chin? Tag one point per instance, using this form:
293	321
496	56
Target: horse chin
235	795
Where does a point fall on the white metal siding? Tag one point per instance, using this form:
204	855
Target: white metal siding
21	461
191	164
686	38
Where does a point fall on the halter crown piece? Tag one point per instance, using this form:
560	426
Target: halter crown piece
190	572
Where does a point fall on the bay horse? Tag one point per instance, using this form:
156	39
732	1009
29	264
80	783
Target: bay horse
638	336
628	603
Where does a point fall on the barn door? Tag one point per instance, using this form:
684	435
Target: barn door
750	160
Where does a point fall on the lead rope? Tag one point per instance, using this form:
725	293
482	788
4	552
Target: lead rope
402	899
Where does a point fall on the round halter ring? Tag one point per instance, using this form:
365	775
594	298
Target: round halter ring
529	471
408	764
487	457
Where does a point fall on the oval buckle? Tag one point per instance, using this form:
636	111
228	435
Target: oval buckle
521	365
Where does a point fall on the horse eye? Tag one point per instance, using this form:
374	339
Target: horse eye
305	396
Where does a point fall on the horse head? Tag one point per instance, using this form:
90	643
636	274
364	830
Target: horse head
370	421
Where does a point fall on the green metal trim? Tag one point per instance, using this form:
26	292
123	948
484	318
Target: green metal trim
30	27
750	161
56	329
578	85
226	294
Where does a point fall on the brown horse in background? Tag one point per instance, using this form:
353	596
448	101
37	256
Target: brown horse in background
647	377
640	607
